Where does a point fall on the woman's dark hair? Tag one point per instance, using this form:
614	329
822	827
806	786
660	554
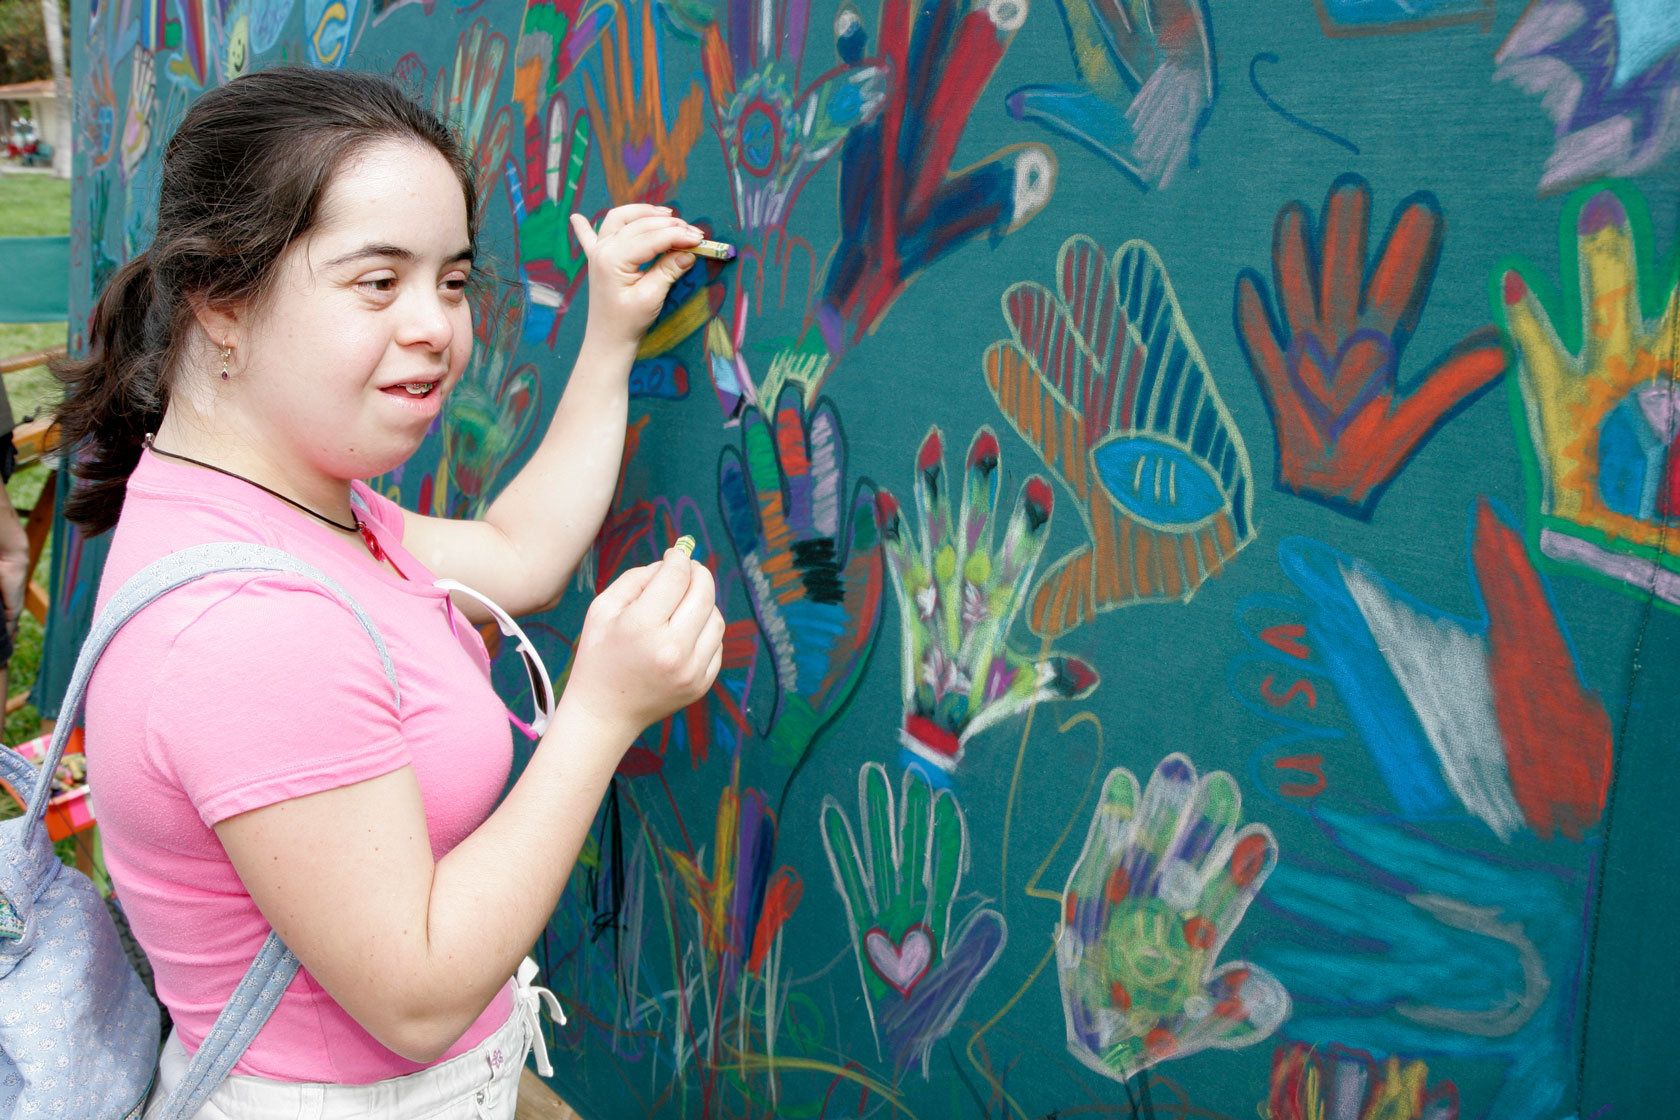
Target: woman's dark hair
243	177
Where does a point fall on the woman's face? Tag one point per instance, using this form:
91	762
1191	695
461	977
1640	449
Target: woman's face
346	364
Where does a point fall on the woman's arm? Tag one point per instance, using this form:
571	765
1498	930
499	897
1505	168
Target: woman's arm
532	537
414	949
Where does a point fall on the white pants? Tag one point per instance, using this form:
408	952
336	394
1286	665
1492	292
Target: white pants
482	1084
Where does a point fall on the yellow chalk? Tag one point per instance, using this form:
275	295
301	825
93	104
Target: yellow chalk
717	250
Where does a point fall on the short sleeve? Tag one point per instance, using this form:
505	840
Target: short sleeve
273	691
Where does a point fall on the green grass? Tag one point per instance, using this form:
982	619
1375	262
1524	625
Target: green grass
31	391
34	206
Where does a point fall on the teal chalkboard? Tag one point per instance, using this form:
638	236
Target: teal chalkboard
1193	488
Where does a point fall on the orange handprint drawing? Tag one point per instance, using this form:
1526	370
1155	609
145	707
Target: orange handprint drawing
644	156
1328	361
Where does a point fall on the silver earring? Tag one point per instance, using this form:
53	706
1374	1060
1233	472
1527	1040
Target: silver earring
227	352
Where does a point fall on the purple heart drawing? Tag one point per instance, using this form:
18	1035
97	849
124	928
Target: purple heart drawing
637	157
1335	392
902	965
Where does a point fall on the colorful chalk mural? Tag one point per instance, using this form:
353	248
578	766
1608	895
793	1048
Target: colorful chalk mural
1187	656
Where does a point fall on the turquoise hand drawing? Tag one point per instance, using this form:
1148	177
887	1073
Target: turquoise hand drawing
1147	85
1425	949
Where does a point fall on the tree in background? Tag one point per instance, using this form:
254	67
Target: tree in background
54	27
23	40
23	48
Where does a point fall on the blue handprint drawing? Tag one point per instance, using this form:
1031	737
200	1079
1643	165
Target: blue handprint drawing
1423	949
1146	89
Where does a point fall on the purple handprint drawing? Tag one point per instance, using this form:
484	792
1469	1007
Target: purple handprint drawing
1608	74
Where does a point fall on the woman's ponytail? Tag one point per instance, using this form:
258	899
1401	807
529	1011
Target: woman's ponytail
116	394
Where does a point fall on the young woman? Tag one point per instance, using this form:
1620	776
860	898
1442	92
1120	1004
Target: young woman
296	325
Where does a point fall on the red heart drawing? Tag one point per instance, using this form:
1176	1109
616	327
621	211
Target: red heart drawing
903	964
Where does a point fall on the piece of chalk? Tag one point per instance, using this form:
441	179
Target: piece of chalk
717	250
685	545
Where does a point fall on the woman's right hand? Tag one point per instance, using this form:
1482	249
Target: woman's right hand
651	645
634	258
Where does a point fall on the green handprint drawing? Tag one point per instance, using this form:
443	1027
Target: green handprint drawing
1162	883
957	598
917	973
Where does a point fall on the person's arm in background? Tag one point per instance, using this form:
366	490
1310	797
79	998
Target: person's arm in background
14	581
14	547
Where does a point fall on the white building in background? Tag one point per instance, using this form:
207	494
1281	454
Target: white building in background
44	108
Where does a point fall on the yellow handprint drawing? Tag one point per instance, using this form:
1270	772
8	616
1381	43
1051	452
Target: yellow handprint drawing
1596	377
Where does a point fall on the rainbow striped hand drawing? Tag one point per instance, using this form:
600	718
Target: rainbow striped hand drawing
815	580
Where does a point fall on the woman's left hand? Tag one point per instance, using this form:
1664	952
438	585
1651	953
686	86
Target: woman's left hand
625	297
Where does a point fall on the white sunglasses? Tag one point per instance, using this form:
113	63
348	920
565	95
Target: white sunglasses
542	689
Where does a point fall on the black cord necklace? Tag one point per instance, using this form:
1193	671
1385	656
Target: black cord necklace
354	527
357	525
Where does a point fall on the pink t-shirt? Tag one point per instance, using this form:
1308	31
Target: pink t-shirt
245	689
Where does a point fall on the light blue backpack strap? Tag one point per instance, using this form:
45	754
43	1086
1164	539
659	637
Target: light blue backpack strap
265	982
17	771
154	581
252	1002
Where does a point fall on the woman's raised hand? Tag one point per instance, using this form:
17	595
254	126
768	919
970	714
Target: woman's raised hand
651	645
624	294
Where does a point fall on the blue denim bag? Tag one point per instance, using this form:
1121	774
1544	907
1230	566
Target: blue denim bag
78	1031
